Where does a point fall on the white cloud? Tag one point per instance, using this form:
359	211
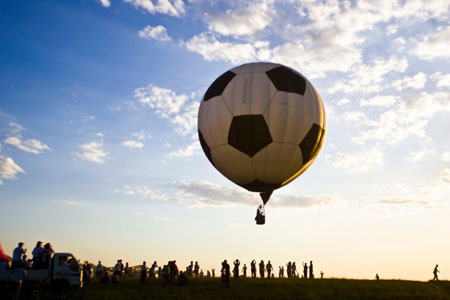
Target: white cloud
245	19
205	193
200	193
380	100
408	118
105	3
30	145
141	135
392	29
181	112
170	7
93	151
165	101
132	144
419	155
88	118
355	117
144	192
415	82
186	122
323	36
157	33
74	203
443	81
8	169
234	52
446	156
368	78
434	45
356	162
302	201
445	175
189	151
15	127
343	102
393	206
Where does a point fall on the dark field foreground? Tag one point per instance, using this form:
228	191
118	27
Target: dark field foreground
209	288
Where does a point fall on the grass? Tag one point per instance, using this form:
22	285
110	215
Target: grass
246	288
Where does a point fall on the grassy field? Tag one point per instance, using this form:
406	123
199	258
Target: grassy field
210	288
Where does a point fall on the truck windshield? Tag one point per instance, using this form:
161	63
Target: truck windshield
68	262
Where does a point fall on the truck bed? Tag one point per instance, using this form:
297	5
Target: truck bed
32	275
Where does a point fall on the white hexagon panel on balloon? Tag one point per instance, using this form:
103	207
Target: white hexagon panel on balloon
249	94
288	117
214	121
233	164
277	162
254	68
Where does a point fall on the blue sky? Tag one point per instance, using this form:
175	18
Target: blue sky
98	143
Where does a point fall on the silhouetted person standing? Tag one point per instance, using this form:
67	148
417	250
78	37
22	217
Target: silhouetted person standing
261	269
37	255
289	269
435	271
17	256
196	269
143	272
126	270
311	272
377	277
244	270
253	268
236	268
269	269
226	273
305	270
281	272
293	269
321	275
190	269
153	270
86	274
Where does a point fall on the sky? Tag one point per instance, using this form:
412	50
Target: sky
99	152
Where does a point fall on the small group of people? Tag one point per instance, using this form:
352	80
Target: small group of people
193	270
168	273
41	257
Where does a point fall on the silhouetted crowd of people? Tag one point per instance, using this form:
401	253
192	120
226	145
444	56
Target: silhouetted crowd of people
168	273
20	260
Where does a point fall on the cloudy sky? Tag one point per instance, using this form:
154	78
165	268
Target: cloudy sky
99	153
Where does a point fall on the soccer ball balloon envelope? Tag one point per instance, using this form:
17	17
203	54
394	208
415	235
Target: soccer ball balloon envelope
261	125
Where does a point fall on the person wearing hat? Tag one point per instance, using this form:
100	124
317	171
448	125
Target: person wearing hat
37	255
17	256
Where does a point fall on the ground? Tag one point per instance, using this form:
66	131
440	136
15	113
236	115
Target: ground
210	288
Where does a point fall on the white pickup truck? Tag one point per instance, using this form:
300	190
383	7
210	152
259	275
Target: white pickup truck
63	271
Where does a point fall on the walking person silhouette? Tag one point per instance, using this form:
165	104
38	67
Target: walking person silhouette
435	271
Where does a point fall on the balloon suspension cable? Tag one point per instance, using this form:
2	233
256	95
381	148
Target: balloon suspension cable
265	196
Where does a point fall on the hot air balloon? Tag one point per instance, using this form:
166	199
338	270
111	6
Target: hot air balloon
261	125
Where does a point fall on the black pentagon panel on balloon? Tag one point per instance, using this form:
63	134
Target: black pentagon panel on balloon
217	87
249	134
312	142
259	186
205	147
287	80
